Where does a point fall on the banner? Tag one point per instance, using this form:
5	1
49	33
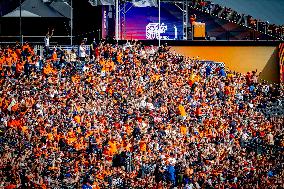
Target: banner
104	21
281	62
145	3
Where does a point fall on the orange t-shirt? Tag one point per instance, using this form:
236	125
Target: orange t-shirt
181	110
54	56
19	68
143	146
11	186
8	61
183	130
77	119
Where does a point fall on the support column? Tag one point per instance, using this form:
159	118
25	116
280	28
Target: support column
124	20
159	23
117	20
21	35
185	19
71	24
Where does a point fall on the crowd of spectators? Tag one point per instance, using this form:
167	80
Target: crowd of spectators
134	117
246	20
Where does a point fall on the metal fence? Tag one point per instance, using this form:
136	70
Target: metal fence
64	40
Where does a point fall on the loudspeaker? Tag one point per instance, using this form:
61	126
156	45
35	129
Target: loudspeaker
199	30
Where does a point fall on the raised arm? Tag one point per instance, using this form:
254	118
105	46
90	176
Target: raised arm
52	31
47	34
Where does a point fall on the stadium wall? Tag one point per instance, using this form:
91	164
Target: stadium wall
239	58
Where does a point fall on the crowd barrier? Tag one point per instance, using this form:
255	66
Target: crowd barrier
39	49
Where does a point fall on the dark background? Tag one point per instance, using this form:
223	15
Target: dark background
86	23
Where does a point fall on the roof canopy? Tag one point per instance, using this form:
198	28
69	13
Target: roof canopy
62	7
25	13
137	3
34	8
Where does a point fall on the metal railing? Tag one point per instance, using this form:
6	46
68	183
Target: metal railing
66	40
247	21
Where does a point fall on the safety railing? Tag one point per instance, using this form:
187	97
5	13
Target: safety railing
272	30
66	40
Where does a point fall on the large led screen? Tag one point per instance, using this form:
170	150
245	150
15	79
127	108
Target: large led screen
142	23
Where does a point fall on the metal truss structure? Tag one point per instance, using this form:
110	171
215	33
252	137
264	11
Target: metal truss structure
122	7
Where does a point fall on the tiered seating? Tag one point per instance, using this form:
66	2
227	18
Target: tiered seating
228	14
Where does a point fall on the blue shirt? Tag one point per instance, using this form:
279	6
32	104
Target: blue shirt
85	186
251	88
171	172
208	70
270	174
222	73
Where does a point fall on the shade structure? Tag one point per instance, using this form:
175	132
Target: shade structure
145	3
34	8
25	13
62	7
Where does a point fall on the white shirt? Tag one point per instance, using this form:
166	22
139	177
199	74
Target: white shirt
152	51
73	57
82	51
250	105
85	68
172	160
104	88
11	104
103	73
197	185
46	41
265	89
189	186
270	139
245	136
150	106
143	104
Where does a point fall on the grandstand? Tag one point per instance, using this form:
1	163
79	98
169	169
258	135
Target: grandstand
138	94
